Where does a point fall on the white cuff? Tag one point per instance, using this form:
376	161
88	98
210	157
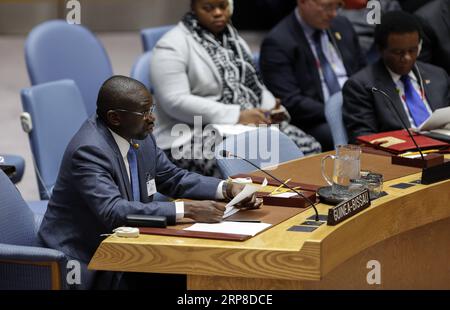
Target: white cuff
219	193
179	210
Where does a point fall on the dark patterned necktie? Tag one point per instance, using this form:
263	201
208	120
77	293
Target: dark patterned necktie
330	77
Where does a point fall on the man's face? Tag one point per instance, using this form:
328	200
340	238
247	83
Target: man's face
214	15
401	52
319	13
136	120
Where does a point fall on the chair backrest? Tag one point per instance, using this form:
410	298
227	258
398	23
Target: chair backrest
57	112
17	224
56	50
141	70
333	115
263	146
150	36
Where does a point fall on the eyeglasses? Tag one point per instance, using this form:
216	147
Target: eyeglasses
330	7
145	114
412	52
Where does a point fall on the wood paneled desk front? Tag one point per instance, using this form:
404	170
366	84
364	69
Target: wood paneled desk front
405	235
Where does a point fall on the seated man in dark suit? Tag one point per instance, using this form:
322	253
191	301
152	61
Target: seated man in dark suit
306	59
435	17
416	88
112	168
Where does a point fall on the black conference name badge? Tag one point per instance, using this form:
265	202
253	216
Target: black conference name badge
348	208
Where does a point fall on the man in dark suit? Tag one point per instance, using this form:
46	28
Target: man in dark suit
112	168
416	88
306	59
435	17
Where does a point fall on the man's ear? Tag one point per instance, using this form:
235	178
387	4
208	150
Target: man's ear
113	118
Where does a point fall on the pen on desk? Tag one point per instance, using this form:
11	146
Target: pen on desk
418	153
281	185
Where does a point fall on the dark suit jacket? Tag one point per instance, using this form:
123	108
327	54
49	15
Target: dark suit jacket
289	67
92	192
367	113
435	17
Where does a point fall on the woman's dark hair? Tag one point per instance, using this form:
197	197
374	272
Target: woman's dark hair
396	22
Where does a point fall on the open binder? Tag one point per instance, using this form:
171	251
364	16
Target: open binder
398	141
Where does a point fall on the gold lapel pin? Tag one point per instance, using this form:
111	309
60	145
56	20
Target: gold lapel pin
338	36
427	81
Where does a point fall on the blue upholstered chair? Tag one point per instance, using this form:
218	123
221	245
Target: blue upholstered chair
57	112
23	264
150	36
263	146
18	162
333	115
141	70
56	50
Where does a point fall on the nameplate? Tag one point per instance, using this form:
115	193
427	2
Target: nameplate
348	208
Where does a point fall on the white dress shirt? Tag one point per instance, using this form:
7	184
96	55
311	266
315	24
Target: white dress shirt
401	92
125	145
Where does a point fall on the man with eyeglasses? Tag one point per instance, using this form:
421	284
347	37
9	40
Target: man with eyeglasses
416	88
112	168
306	59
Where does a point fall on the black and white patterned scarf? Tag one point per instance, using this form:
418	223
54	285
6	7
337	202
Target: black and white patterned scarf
241	83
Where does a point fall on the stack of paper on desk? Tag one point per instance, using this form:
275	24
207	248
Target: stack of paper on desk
238	228
248	229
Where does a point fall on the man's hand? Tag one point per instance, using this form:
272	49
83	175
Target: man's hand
204	211
248	203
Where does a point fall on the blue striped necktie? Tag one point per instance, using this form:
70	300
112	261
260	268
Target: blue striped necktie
134	176
416	106
330	77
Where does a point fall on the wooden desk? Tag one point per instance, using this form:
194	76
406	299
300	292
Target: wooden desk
407	232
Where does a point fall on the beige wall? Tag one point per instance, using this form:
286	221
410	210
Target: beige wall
20	16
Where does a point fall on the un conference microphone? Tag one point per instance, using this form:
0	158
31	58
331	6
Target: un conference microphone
376	90
226	154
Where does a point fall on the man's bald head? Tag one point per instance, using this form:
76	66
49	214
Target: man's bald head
120	92
124	104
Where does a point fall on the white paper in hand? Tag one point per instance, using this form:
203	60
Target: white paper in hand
248	190
437	120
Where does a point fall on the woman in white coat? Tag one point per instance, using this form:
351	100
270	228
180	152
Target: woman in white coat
203	68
